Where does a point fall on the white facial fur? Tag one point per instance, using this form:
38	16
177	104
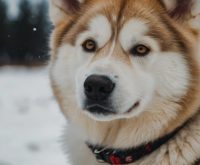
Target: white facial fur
159	74
170	5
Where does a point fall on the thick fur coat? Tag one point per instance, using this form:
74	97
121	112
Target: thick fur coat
155	92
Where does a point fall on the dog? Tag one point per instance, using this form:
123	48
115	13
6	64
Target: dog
126	75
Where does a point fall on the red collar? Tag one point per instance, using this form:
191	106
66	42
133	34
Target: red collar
127	156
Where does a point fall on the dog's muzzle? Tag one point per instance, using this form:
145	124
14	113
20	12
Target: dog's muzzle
98	89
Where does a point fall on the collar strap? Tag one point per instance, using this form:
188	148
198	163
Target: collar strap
197	162
127	156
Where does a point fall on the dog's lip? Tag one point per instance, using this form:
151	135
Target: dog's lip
133	107
103	110
97	108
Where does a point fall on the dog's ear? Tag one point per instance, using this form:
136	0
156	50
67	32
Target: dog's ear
178	9
186	11
63	9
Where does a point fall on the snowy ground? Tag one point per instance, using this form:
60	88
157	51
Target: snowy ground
30	122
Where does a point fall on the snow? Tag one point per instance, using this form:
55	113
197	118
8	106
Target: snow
30	120
34	29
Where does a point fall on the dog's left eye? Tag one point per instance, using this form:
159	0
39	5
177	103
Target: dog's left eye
89	46
140	50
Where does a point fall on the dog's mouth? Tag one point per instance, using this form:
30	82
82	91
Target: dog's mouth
99	109
134	106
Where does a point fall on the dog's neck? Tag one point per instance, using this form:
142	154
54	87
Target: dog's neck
117	156
130	155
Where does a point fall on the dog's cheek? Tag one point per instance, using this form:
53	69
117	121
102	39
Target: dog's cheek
64	70
136	85
172	76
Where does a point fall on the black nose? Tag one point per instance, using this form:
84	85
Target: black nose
98	88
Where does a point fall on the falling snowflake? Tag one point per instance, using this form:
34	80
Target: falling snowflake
34	29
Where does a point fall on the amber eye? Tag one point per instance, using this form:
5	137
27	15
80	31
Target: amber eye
140	50
89	45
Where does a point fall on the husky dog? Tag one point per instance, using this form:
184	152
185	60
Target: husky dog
126	75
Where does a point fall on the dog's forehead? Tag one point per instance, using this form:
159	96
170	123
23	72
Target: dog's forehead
114	25
120	14
101	25
121	10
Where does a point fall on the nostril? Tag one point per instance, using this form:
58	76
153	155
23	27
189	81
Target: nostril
102	89
107	89
88	88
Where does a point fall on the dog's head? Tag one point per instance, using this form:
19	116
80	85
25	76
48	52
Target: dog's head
114	59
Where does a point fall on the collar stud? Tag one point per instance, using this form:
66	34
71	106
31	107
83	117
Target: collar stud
129	159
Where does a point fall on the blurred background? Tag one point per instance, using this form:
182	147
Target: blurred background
30	121
24	32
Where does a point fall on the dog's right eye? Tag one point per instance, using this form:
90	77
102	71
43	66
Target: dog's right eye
89	46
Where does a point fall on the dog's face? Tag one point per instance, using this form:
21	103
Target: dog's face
116	59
